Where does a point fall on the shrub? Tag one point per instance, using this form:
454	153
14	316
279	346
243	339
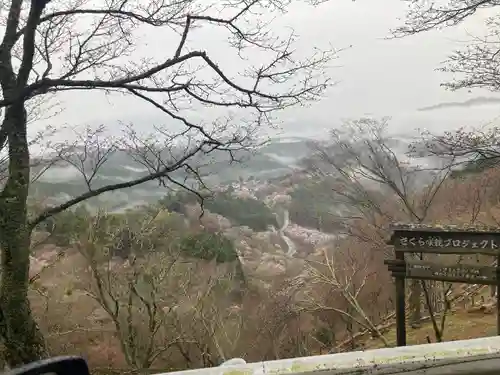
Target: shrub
311	206
208	246
240	211
246	212
475	167
67	226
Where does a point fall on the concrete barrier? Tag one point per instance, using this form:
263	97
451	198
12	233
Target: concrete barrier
477	356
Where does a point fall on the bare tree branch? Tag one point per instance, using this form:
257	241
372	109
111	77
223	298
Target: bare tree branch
475	65
428	15
349	283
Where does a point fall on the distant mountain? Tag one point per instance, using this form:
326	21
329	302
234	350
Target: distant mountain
481	100
276	158
272	161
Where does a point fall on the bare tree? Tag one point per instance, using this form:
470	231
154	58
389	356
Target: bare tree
475	65
159	303
349	279
365	170
275	320
132	294
213	324
68	45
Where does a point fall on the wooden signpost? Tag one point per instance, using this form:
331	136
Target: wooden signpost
410	241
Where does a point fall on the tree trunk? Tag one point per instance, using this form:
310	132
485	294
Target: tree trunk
350	326
23	341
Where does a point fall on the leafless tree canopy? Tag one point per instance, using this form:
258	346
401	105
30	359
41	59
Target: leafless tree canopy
55	55
476	64
464	144
365	168
89	45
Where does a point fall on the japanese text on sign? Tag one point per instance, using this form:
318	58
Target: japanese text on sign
439	242
449	272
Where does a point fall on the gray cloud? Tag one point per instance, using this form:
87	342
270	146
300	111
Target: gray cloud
481	100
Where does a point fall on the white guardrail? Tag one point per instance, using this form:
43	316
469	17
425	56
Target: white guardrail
477	356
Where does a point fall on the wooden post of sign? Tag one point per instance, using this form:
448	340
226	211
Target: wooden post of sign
498	294
400	305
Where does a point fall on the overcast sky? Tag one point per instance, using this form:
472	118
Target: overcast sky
376	76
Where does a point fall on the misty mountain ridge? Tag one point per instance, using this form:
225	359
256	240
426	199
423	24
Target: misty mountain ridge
62	181
277	158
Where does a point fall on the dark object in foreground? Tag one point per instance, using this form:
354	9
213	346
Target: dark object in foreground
56	365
